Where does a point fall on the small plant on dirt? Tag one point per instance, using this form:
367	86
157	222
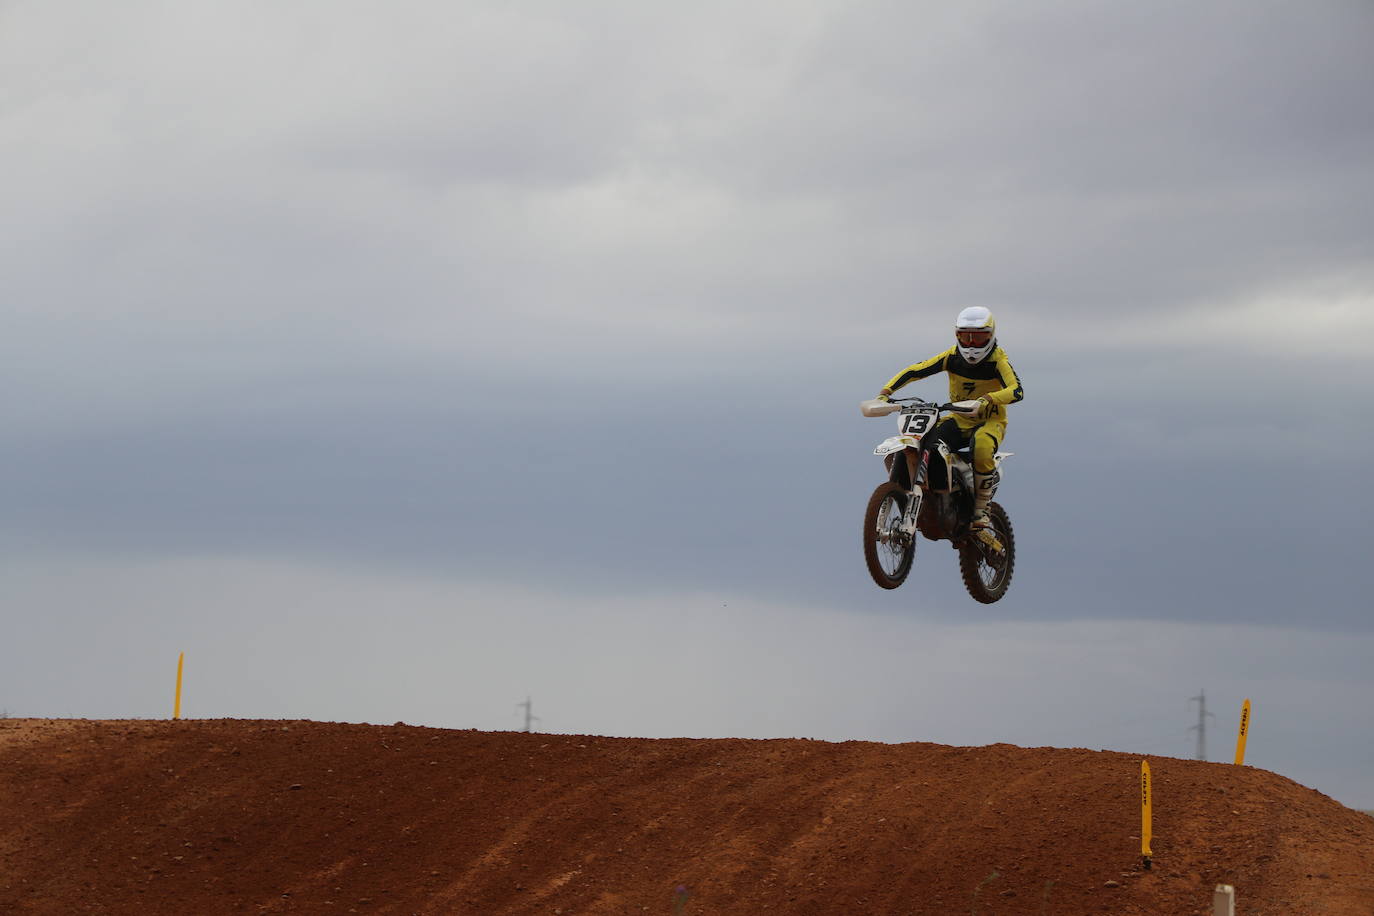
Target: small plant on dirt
973	909
680	900
1045	897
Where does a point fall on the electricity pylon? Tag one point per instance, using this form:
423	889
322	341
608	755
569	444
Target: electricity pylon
1201	727
528	717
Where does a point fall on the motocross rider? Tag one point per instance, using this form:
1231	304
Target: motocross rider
978	369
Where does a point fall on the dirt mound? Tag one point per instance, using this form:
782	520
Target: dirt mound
232	816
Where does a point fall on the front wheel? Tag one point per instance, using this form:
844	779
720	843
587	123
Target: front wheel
986	572
887	550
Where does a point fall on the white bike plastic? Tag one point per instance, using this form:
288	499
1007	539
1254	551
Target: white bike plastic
877	408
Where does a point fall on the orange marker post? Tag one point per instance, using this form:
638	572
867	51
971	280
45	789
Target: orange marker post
176	709
1146	815
1244	733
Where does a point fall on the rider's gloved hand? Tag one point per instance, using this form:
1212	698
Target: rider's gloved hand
985	408
883	395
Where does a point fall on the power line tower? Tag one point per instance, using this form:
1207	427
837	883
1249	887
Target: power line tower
529	718
1201	727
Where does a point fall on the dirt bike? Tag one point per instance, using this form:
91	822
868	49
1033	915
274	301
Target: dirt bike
930	490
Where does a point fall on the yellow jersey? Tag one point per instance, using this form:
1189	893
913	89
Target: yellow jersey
992	378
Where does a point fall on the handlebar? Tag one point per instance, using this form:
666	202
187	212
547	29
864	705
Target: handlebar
920	402
877	408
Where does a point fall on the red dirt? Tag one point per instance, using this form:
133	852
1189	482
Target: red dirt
229	816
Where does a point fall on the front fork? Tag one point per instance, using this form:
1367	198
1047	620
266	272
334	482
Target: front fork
916	467
912	513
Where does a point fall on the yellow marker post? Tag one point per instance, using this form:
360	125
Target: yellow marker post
176	709
1146	817
1244	732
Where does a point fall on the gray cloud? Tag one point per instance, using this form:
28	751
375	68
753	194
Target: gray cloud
1139	502
482	159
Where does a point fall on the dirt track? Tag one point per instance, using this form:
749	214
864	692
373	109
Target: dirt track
228	816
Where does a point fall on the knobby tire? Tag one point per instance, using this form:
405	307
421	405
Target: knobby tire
871	545
971	560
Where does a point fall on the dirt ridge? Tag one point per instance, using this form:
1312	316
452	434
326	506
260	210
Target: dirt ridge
248	816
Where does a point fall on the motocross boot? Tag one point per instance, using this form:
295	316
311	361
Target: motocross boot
984	486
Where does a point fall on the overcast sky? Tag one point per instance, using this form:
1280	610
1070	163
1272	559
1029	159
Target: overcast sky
398	361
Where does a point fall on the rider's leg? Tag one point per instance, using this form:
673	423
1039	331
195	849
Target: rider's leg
986	439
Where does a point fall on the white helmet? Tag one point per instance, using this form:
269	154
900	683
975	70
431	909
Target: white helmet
975	332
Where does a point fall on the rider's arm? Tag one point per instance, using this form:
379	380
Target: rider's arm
1011	390
918	371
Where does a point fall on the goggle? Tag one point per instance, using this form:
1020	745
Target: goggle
973	338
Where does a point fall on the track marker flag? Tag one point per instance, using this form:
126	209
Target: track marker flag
1146	818
176	708
1244	732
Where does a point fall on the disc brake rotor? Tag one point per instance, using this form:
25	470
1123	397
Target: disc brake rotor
890	527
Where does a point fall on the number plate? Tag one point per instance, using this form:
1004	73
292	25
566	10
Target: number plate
919	422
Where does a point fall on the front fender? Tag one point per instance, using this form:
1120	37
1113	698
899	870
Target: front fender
895	444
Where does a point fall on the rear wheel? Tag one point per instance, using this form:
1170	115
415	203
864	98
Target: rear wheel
986	571
887	550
